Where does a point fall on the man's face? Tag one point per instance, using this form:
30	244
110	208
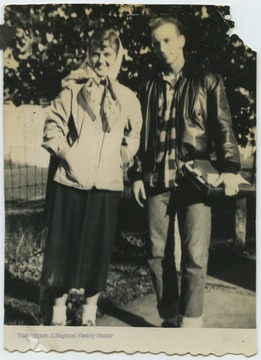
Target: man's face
168	43
102	60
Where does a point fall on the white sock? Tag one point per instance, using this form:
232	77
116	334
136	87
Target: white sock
89	314
188	322
59	315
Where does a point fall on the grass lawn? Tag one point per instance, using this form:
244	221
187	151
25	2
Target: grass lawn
129	276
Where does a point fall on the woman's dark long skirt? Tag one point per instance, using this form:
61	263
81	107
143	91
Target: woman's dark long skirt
81	233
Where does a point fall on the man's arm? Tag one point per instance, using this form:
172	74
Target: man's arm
139	192
136	171
230	182
131	140
225	142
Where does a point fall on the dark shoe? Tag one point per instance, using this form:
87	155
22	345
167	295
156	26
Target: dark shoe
168	324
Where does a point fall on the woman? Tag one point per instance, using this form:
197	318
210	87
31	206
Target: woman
93	127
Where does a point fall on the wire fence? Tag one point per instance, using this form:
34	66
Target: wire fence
25	162
25	187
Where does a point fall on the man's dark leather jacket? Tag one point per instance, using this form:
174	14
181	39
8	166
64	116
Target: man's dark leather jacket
203	123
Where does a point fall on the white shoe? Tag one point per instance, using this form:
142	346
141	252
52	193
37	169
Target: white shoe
89	315
59	315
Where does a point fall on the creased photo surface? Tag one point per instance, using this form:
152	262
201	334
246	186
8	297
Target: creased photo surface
129	179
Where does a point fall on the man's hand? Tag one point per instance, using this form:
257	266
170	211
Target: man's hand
230	182
139	192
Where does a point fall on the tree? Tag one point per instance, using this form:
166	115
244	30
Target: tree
51	41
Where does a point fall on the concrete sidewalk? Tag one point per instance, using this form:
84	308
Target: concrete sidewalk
226	306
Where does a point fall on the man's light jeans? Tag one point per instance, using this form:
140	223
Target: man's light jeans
194	219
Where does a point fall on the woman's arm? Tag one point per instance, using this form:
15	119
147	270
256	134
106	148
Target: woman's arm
56	124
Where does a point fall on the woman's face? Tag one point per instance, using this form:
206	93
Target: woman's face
102	60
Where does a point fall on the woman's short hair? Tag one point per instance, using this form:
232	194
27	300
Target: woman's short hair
105	37
161	20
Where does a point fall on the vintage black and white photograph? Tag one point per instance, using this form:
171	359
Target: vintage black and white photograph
129	172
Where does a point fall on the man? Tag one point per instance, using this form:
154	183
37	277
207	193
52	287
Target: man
186	116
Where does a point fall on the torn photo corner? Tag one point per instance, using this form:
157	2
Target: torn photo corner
87	268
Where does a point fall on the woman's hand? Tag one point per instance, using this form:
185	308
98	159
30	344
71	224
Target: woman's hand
139	192
230	182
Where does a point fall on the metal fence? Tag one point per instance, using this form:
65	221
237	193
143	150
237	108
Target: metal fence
25	187
25	162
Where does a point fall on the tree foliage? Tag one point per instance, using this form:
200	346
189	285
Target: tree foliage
51	40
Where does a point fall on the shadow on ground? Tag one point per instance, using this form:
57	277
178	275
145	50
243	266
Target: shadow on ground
233	268
21	289
21	302
22	297
126	316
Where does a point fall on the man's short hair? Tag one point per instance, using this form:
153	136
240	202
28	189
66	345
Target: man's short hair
161	20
